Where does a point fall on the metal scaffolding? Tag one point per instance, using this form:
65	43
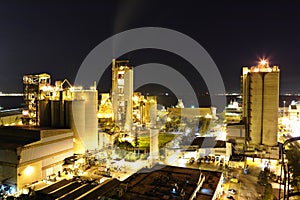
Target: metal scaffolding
33	87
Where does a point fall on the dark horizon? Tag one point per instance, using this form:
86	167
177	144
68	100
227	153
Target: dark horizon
8	102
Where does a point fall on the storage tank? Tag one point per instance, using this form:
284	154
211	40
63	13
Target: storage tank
57	114
91	121
75	118
68	113
151	111
256	103
154	149
83	120
270	109
44	113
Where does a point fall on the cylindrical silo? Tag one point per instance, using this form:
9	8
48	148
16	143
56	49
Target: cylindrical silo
76	116
57	119
91	122
151	111
256	103
270	109
68	113
44	113
154	149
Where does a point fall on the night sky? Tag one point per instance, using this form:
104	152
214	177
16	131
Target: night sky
55	37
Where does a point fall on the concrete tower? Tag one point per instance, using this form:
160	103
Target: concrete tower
151	111
122	93
260	91
84	123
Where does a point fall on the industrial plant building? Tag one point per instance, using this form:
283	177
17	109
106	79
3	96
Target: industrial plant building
28	154
57	121
62	106
122	93
260	94
290	119
11	117
159	182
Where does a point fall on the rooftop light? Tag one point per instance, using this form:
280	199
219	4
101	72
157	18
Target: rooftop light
263	62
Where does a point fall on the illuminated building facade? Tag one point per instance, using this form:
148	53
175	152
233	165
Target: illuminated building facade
83	119
122	93
33	154
151	111
290	121
138	109
33	84
105	108
62	106
233	113
260	93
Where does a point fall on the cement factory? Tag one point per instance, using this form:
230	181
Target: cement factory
61	121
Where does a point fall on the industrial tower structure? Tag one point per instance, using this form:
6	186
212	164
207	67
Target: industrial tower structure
122	94
260	93
62	106
33	85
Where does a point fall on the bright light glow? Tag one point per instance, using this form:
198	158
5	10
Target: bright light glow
47	88
285	121
80	161
25	112
128	139
256	70
28	170
264	163
10	94
12	190
25	191
135	98
208	116
292	103
263	62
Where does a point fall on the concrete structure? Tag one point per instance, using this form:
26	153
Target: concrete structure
70	190
122	93
192	112
235	131
85	126
28	155
105	140
62	106
236	134
11	117
78	114
209	146
168	182
290	119
139	109
33	84
233	113
159	182
151	111
260	93
105	110
154	150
